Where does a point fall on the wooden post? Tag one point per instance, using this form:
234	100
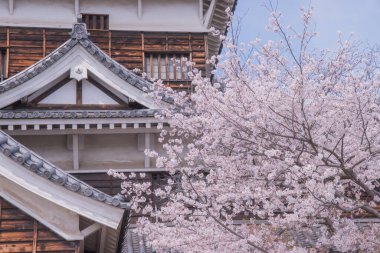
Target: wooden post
7	61
151	66
81	246
34	249
79	92
143	52
43	43
75	152
147	146
159	65
103	236
175	66
207	70
1	204
109	43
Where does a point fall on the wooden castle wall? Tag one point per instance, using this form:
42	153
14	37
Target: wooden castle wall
25	46
21	233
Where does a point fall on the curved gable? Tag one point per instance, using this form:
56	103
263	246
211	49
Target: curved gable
80	57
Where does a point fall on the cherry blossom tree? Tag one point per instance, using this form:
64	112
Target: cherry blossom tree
286	141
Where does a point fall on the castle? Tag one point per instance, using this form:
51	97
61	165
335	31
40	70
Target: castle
71	108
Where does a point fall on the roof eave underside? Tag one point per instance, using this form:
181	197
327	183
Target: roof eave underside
219	21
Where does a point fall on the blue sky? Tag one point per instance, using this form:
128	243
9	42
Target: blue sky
362	17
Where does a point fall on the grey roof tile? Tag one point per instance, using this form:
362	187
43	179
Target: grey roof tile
31	161
76	114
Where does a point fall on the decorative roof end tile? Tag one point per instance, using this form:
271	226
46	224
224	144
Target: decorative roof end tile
79	31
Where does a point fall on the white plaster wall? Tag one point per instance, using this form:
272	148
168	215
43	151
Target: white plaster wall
41	13
157	15
53	148
108	151
67	94
92	95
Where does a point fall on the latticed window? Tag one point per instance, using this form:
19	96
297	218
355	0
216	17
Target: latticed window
170	67
96	21
3	63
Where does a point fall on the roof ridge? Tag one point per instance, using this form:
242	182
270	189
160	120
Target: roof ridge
38	165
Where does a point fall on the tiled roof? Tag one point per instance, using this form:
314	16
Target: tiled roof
34	163
76	114
79	36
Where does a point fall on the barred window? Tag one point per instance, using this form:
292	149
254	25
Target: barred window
166	66
96	21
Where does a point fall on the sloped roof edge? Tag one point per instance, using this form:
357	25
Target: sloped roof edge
31	161
76	114
79	36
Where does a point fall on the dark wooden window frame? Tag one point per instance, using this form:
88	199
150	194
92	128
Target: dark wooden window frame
176	57
96	21
3	63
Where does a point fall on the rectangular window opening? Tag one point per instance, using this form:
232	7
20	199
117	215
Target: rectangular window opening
96	21
167	67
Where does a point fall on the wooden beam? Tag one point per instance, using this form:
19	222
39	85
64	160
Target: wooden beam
79	92
147	146
101	23
81	246
210	12
75	152
167	67
109	43
151	66
87	21
143	52
43	43
7	60
35	232
175	66
94	18
159	65
207	56
1	206
106	91
2	72
182	66
91	229
103	237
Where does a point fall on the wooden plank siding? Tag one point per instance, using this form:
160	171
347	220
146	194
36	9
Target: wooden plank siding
101	181
21	233
28	45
